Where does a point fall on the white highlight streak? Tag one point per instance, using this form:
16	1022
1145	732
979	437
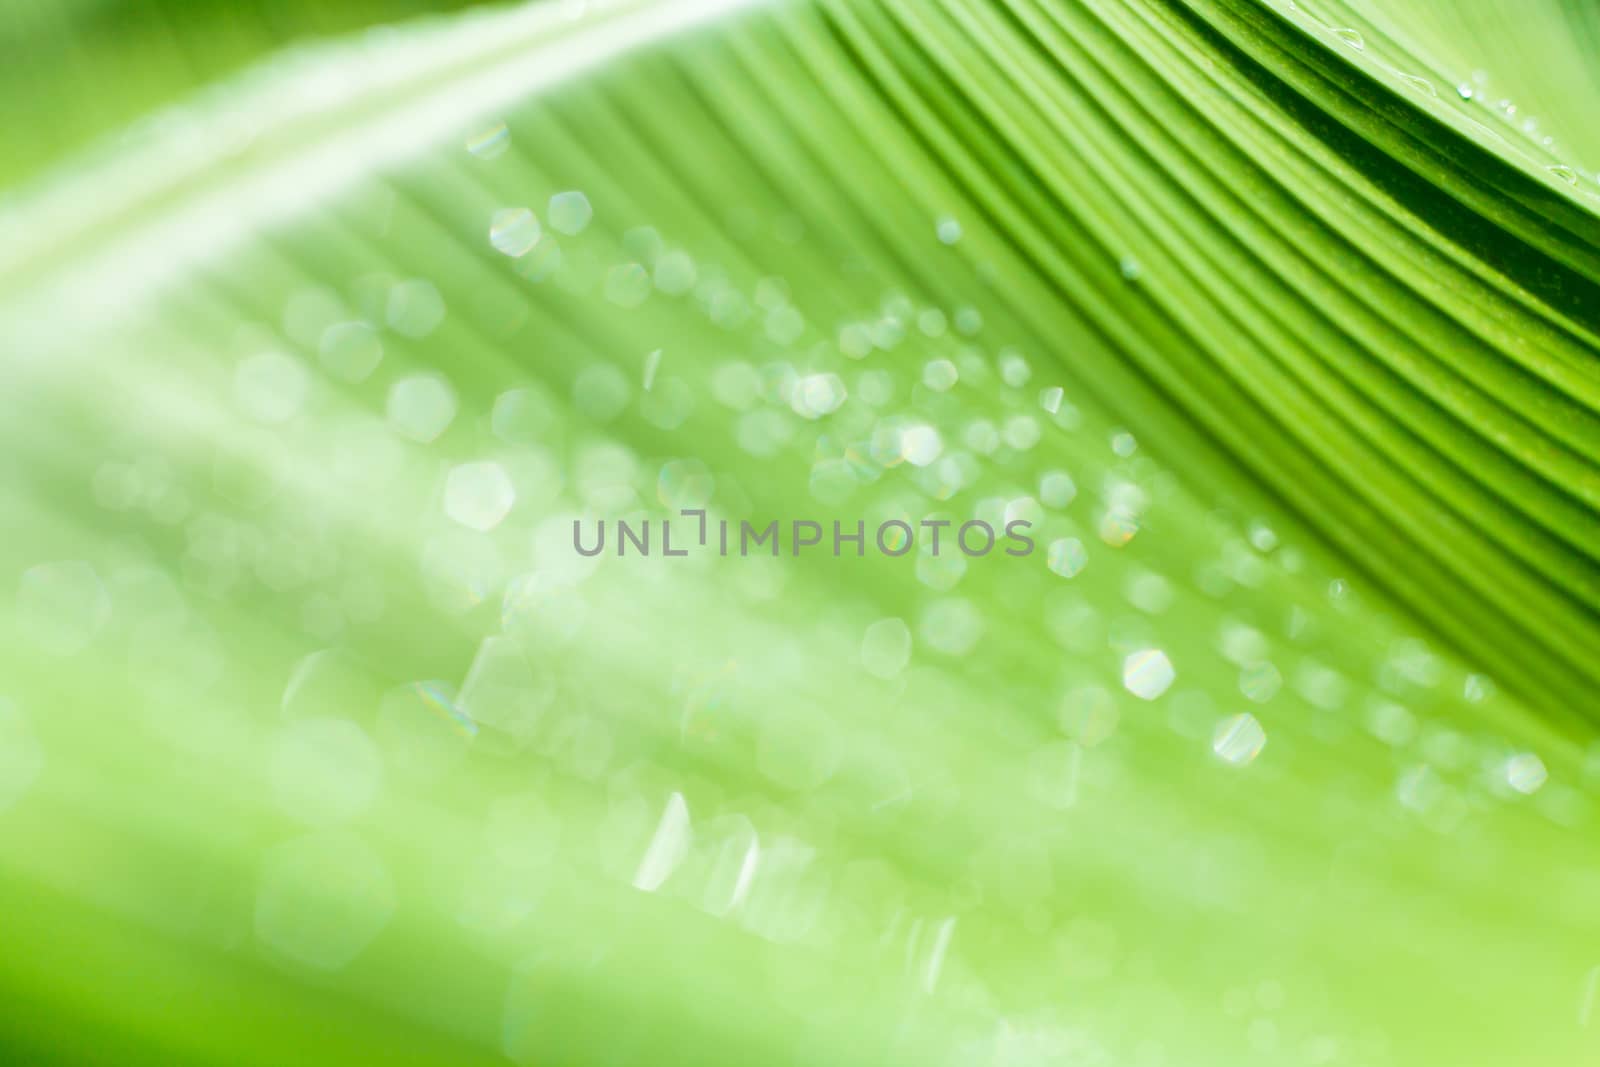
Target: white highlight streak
84	250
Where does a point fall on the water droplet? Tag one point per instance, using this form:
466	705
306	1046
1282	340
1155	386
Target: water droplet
542	262
1239	739
855	340
479	495
1021	432
1242	644
1014	369
1147	673
491	142
1464	91
414	308
628	285
949	230
1320	685
524	416
1418	787
1260	682
1067	557
1117	528
421	407
1350	37
1446	748
1525	772
982	436
1392	724
942	572
675	273
644	244
1416	84
1018	509
1565	173
1057	489
1131	269
569	212
951	626
728	308
1151	593
886	648
350	351
513	231
940	375
1262	537
920	445
898	541
817	395
887	333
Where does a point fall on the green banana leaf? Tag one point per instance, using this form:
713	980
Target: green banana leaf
332	335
